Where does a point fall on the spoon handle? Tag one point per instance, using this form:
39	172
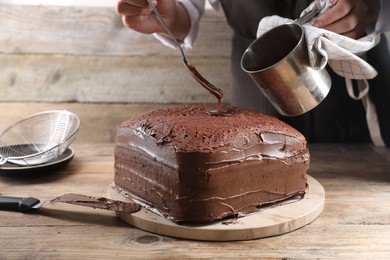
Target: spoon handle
307	17
218	93
19	204
157	13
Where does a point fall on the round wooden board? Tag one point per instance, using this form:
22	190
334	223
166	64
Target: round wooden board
273	220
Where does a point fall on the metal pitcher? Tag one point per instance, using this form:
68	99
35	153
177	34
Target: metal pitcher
278	62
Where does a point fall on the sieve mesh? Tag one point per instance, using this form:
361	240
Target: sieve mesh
38	138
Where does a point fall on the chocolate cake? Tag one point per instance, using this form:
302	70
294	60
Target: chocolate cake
192	167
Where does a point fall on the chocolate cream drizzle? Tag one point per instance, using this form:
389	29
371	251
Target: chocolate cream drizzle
217	92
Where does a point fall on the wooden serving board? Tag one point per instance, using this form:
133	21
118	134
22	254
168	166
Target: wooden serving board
273	220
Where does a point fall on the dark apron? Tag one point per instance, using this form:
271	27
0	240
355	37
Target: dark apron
338	118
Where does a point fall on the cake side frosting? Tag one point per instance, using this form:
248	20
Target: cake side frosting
193	167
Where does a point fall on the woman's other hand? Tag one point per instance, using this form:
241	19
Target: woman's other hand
350	18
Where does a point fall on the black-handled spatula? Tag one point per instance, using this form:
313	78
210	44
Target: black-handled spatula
26	204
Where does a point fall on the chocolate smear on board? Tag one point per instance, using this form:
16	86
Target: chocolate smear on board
98	202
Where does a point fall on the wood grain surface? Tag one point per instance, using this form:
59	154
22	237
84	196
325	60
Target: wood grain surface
355	222
89	30
84	54
108	79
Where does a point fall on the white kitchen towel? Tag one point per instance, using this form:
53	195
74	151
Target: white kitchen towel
343	54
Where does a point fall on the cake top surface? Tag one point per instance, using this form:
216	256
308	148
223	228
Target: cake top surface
190	127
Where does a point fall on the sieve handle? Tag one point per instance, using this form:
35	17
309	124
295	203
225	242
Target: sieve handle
17	203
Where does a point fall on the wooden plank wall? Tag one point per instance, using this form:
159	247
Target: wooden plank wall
85	54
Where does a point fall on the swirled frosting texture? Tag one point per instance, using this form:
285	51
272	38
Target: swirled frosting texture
193	167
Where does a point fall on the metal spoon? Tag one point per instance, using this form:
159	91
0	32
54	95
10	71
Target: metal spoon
207	85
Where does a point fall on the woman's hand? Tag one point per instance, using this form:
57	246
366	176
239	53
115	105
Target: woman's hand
139	16
350	18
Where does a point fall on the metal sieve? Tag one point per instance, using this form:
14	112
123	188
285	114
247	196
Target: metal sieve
38	138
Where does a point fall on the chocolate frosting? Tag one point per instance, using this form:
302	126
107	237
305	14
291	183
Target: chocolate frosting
193	167
98	202
190	127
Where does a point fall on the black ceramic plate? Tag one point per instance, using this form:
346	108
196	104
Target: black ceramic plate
53	165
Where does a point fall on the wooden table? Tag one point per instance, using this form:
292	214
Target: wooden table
355	222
